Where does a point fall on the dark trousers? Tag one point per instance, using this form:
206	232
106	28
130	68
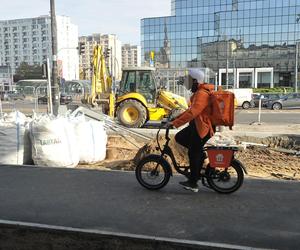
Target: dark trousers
189	138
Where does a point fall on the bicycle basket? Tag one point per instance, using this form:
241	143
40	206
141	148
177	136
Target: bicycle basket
220	157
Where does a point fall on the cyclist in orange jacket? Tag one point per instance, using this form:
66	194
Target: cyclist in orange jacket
199	130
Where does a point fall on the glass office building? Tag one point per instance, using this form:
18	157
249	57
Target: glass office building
253	41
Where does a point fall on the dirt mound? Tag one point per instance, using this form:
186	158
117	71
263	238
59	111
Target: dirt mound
123	153
291	142
179	151
267	163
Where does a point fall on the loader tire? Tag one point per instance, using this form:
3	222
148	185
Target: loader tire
131	114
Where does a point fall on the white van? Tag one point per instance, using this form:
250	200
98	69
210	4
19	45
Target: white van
243	97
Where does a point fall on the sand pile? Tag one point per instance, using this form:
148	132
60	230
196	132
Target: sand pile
122	153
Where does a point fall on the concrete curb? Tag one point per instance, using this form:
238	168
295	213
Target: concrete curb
21	235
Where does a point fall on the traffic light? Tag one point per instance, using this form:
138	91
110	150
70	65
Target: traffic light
81	48
107	53
44	70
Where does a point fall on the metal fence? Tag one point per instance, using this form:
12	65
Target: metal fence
28	100
171	80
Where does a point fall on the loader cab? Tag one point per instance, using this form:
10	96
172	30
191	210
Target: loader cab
138	80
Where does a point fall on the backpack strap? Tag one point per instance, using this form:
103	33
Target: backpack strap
206	91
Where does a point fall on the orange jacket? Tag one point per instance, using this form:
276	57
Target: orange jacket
199	111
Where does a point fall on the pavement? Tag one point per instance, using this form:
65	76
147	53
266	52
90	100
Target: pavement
262	130
262	213
257	130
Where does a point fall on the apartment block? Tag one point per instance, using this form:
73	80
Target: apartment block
29	40
108	42
131	56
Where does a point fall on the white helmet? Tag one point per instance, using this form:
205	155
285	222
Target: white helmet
197	74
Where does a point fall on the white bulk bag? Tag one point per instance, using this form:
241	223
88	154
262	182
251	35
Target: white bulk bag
16	117
92	139
11	144
53	143
15	147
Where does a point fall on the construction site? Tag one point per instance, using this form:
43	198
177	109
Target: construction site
69	159
142	100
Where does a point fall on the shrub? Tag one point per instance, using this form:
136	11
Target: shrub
274	90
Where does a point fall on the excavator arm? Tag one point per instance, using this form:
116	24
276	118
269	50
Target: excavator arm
101	86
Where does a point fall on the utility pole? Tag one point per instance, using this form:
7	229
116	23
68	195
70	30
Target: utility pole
296	68
297	52
234	68
54	83
227	62
115	69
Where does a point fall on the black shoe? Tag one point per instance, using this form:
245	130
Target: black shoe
189	186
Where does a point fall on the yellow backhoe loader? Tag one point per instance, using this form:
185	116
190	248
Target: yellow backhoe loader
139	98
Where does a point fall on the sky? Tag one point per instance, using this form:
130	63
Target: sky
120	17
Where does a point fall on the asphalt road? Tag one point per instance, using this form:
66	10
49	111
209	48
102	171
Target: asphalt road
242	116
268	116
262	214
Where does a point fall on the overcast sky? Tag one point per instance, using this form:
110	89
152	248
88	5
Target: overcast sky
121	17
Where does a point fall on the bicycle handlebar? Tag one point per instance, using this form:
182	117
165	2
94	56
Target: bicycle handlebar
166	135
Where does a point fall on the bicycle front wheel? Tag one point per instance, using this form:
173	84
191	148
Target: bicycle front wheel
228	180
153	172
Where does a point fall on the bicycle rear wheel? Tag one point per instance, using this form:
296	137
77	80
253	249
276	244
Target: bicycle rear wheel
153	172
228	180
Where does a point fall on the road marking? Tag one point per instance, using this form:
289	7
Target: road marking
211	245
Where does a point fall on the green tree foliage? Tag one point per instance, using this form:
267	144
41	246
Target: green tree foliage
274	90
26	71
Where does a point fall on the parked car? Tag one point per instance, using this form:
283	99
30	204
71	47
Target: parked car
42	100
64	99
265	99
16	96
3	96
11	95
288	101
243	97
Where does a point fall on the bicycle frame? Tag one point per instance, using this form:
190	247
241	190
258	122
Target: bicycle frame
166	150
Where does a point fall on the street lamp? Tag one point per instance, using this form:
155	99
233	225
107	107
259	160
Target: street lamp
296	59
296	67
227	61
234	68
54	85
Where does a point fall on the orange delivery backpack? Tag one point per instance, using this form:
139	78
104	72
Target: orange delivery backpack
222	108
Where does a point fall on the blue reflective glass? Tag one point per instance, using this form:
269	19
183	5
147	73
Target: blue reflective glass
256	24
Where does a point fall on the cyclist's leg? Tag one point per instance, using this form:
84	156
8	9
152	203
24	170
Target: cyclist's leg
183	137
196	156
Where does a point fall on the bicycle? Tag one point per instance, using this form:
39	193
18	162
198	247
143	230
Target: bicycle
154	171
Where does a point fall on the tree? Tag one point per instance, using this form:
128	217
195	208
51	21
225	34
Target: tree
26	71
